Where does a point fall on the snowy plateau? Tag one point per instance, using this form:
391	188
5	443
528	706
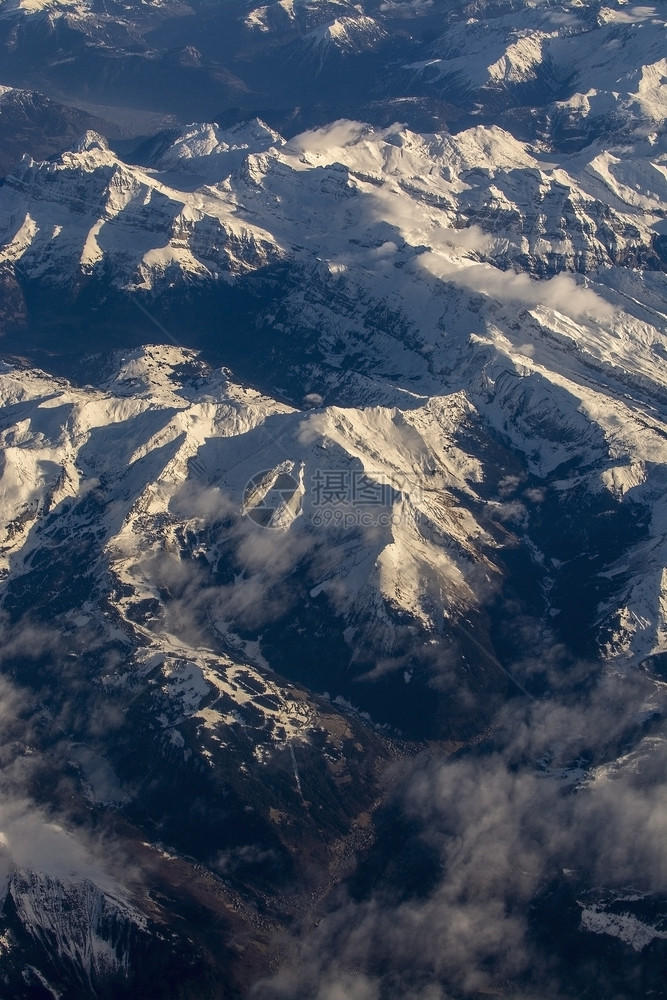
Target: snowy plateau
333	500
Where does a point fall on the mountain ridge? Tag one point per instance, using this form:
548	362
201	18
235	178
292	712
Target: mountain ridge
333	522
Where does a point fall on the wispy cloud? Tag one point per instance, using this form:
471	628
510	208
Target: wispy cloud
561	292
503	824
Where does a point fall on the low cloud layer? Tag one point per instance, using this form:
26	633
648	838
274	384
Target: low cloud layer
561	292
32	840
560	799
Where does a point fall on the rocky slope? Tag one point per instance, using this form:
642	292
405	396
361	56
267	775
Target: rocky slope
449	273
430	65
31	123
333	598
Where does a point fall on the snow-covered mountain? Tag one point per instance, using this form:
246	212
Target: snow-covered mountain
32	123
459	418
175	537
333	524
565	72
211	200
436	267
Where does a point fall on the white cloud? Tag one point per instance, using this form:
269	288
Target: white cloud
561	293
323	140
501	829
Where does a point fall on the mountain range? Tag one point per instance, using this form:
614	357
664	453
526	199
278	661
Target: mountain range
333	504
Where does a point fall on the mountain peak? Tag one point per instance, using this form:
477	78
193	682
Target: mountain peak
89	141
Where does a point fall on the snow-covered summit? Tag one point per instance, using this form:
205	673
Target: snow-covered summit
213	152
90	141
257	196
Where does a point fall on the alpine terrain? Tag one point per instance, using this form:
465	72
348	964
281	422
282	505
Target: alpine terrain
333	500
